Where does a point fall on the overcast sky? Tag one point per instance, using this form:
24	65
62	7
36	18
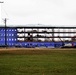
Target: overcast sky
48	12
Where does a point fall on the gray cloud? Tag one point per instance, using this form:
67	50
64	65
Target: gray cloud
40	11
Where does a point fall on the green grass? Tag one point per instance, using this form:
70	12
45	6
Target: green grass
42	62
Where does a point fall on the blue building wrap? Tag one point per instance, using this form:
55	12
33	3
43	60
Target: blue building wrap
11	39
11	36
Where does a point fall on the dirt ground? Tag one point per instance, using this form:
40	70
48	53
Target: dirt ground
6	49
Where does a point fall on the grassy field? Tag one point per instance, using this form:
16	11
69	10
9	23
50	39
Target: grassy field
38	62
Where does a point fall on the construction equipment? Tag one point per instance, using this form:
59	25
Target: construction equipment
67	45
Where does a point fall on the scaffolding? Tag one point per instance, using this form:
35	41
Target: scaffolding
50	33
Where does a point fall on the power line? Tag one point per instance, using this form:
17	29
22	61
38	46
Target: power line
4	10
1	6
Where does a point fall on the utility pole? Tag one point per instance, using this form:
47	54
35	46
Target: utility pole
5	21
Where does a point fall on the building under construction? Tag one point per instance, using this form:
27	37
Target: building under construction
37	36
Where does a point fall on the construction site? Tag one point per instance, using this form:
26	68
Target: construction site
38	36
